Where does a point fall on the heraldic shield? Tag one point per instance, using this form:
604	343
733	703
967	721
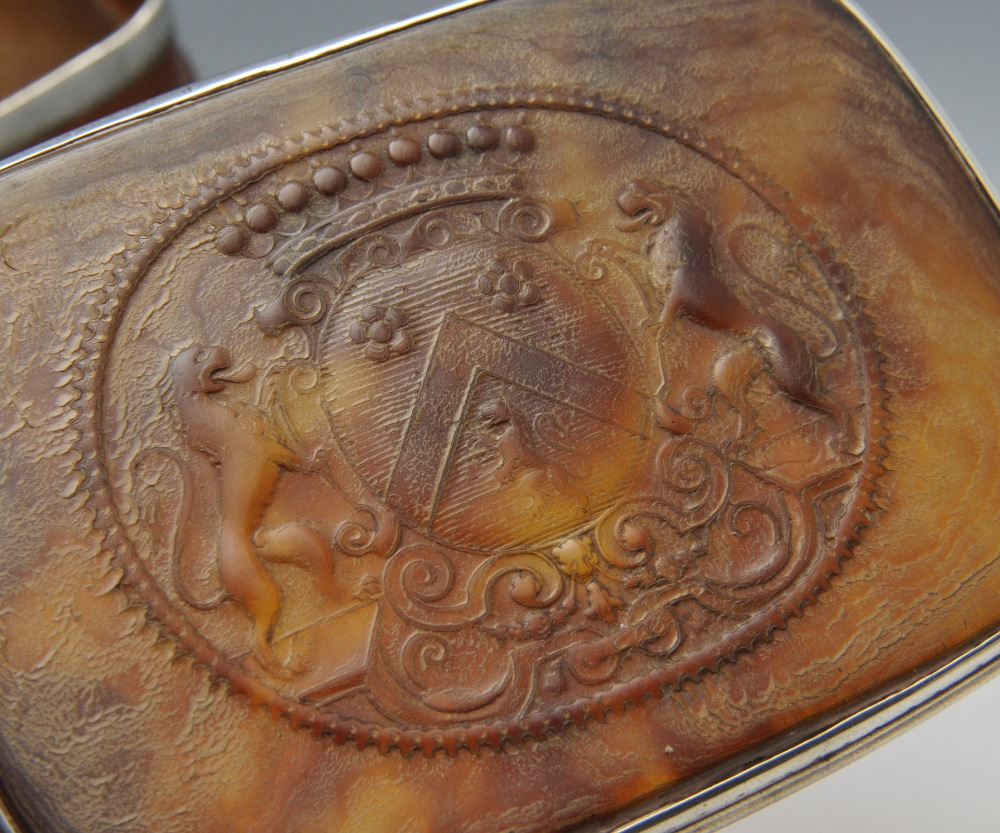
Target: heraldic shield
474	446
542	415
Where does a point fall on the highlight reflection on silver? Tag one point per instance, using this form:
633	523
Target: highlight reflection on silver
224	82
93	76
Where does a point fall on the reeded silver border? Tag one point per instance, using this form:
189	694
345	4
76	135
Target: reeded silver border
212	86
810	759
847	739
6	819
710	808
83	82
911	76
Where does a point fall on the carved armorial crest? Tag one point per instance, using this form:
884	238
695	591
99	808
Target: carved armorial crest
472	448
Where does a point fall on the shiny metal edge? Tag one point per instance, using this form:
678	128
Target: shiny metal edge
827	750
80	84
836	746
928	99
739	795
7	823
202	89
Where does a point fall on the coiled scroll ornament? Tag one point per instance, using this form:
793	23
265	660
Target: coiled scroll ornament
461	459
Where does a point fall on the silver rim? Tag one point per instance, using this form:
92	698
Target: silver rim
83	82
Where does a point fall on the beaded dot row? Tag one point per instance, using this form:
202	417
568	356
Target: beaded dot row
367	166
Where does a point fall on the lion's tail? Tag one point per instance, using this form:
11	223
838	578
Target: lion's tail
180	581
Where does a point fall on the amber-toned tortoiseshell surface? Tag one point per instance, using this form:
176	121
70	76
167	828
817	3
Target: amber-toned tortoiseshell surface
504	425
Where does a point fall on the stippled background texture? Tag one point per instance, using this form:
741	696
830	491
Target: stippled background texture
942	774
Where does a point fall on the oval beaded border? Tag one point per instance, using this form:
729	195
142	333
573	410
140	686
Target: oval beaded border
134	262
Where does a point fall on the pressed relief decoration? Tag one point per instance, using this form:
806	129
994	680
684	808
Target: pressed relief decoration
465	425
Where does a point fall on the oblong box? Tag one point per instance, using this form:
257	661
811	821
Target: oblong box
559	431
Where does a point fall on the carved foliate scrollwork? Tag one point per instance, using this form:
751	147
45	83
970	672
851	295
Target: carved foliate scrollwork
468	453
